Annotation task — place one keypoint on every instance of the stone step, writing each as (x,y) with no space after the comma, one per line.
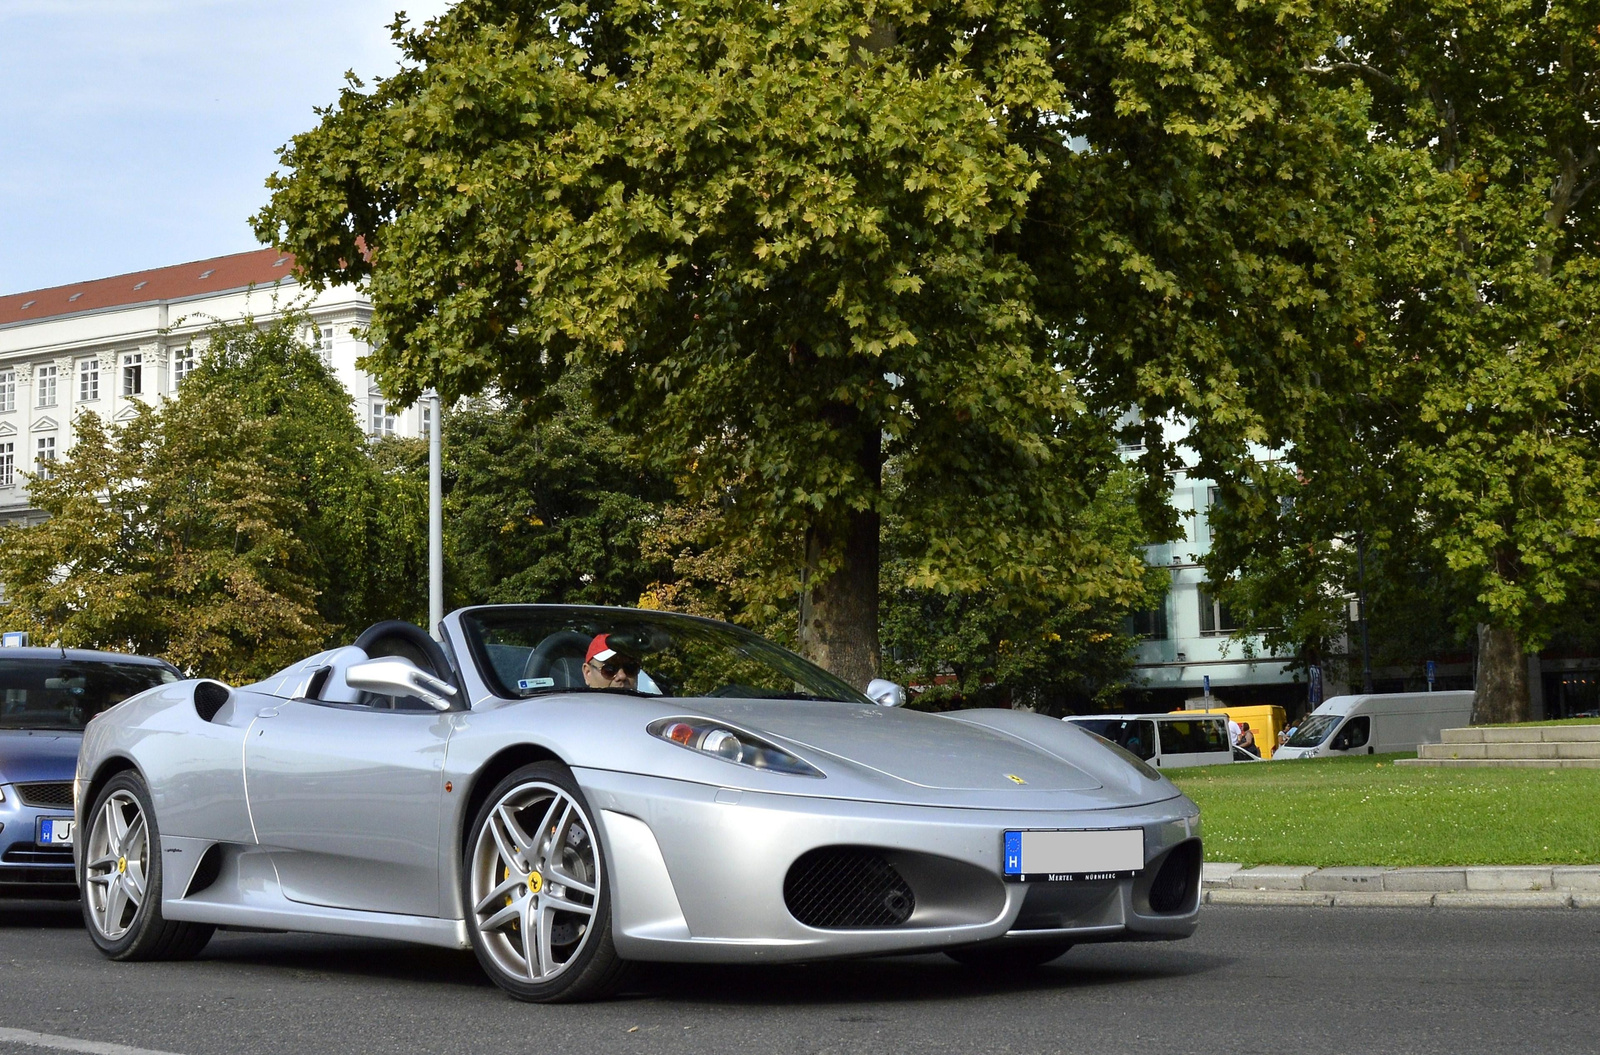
(1536,749)
(1522,734)
(1523,763)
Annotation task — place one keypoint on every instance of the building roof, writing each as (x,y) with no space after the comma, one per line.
(261,267)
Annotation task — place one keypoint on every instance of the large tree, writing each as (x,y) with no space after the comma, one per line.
(1460,438)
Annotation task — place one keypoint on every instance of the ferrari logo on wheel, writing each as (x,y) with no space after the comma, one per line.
(122,864)
(535,882)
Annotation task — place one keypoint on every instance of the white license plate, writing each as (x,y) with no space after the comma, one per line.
(1058,856)
(54,831)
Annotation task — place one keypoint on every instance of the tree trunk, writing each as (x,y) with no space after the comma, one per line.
(839,615)
(1502,694)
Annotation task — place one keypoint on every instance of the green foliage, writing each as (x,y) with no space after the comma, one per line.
(233,529)
(551,511)
(791,245)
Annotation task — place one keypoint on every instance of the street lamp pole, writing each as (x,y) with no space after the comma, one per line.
(1361,595)
(435,514)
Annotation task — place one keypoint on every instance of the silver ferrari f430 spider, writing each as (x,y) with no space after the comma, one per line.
(567,790)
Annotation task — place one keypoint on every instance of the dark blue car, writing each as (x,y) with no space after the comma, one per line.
(46,697)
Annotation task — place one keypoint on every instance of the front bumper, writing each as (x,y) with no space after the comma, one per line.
(26,868)
(698,873)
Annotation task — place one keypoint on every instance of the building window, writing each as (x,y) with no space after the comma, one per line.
(382,418)
(184,360)
(47,386)
(44,456)
(88,380)
(322,344)
(1215,617)
(133,374)
(8,464)
(1150,625)
(8,390)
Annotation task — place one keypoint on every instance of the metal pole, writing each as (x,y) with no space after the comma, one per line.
(1361,583)
(435,516)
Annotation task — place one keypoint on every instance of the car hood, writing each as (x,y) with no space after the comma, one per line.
(28,755)
(924,750)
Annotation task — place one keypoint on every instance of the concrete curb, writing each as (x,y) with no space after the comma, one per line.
(1540,886)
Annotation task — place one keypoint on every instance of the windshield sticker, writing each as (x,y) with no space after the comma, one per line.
(536,683)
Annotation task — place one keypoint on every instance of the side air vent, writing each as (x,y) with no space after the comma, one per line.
(207,871)
(1174,887)
(209,696)
(847,887)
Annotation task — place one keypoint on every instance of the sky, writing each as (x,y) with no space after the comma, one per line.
(139,133)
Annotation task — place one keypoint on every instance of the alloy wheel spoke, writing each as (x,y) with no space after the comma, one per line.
(504,887)
(102,879)
(530,940)
(108,861)
(504,843)
(546,922)
(563,905)
(137,839)
(133,882)
(508,915)
(117,826)
(554,873)
(116,904)
(552,849)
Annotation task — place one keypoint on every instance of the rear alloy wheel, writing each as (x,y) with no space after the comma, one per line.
(537,895)
(1011,956)
(121,880)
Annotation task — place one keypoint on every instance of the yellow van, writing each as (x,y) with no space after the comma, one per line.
(1266,721)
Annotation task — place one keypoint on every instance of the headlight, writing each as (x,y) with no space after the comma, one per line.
(712,738)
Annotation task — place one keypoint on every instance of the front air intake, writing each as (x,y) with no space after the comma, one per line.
(847,888)
(1176,884)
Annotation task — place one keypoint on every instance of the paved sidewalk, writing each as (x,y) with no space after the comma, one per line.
(1537,886)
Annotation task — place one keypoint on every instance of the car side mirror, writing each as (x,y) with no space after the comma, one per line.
(393,676)
(885,693)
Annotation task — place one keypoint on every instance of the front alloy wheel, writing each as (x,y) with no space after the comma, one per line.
(537,900)
(121,879)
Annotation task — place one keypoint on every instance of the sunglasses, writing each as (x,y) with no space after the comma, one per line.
(630,667)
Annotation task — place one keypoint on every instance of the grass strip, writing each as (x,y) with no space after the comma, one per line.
(1368,811)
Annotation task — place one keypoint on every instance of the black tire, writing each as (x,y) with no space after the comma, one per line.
(591,969)
(1016,956)
(141,932)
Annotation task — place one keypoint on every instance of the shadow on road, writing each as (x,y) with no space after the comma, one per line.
(897,979)
(52,914)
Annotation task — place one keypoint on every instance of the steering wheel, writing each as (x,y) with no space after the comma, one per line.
(559,644)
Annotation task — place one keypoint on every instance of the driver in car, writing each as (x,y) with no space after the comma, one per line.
(606,668)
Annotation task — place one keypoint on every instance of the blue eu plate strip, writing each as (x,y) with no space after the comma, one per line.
(1013,853)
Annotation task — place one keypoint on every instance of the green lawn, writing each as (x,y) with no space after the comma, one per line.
(1553,721)
(1368,811)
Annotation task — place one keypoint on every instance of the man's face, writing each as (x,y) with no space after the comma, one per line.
(618,672)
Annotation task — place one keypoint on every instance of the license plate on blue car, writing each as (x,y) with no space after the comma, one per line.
(1061,856)
(54,831)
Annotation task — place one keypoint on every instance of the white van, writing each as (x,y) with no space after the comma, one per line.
(1376,723)
(1166,741)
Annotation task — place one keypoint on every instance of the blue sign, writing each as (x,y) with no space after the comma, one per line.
(1316,687)
(1205,680)
(1013,853)
(1431,670)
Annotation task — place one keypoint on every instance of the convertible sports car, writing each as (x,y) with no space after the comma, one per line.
(568,789)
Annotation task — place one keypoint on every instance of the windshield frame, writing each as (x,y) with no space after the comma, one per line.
(471,624)
(1316,724)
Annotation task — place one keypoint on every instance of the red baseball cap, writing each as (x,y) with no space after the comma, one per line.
(600,648)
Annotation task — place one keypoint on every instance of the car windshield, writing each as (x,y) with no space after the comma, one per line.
(66,693)
(1313,730)
(534,650)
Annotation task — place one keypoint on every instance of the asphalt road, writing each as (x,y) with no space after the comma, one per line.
(1280,980)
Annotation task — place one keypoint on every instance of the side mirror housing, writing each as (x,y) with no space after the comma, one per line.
(885,693)
(393,676)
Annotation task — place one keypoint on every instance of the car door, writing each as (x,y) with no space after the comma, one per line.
(346,797)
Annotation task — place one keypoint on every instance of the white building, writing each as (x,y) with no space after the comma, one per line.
(107,344)
(1186,643)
